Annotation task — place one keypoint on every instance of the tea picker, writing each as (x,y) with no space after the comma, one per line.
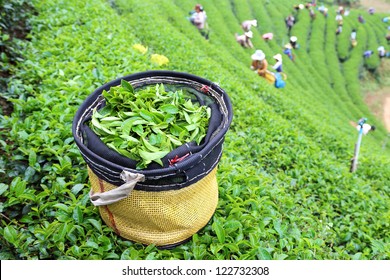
(363,128)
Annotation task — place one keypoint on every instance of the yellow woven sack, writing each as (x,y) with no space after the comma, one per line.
(269,77)
(163,218)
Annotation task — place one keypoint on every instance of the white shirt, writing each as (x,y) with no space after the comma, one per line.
(366,128)
(200,19)
(277,64)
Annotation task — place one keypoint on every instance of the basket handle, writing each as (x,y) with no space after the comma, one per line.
(119,193)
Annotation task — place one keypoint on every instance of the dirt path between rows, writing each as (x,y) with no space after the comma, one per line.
(378,5)
(379,101)
(387,112)
(379,104)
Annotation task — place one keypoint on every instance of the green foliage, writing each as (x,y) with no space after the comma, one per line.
(145,125)
(285,191)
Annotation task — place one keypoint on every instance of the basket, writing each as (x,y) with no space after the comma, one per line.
(161,205)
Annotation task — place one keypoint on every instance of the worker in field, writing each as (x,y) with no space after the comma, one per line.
(324,10)
(340,10)
(245,39)
(339,29)
(294,42)
(288,51)
(199,19)
(363,128)
(268,36)
(381,52)
(388,38)
(247,24)
(361,19)
(339,19)
(280,76)
(298,7)
(371,10)
(278,64)
(368,53)
(290,21)
(366,128)
(353,38)
(259,63)
(312,14)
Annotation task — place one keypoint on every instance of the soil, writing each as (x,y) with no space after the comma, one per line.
(6,107)
(379,101)
(379,104)
(378,5)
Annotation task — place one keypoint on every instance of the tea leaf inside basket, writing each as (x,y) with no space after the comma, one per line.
(146,124)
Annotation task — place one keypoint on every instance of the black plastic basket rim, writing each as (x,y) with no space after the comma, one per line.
(218,93)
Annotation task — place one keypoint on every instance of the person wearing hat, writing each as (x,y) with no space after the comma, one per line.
(339,19)
(339,29)
(353,38)
(325,12)
(288,51)
(366,128)
(293,42)
(312,14)
(381,51)
(340,10)
(368,53)
(259,63)
(361,19)
(268,36)
(290,20)
(246,25)
(245,39)
(299,7)
(278,65)
(198,18)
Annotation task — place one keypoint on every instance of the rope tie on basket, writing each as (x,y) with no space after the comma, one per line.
(119,193)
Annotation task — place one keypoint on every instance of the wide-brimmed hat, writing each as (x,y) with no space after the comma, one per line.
(293,39)
(268,36)
(288,46)
(249,34)
(381,48)
(258,55)
(301,6)
(278,57)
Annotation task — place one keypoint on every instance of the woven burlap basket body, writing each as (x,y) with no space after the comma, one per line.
(161,205)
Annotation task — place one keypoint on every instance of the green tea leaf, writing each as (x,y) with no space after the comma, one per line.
(219,231)
(170,109)
(10,234)
(151,156)
(126,85)
(147,123)
(3,188)
(263,254)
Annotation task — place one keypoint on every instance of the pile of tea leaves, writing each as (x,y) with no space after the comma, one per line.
(148,123)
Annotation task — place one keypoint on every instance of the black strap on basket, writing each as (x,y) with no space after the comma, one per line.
(196,160)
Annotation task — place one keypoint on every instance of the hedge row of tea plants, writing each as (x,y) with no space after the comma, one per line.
(284,182)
